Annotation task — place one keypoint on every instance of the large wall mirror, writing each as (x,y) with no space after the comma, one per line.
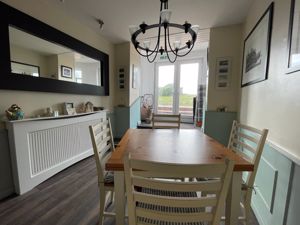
(37,57)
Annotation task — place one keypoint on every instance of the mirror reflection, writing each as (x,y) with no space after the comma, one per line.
(33,56)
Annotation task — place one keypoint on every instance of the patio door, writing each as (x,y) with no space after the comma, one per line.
(176,87)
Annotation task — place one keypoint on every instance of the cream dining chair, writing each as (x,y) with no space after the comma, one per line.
(103,145)
(166,121)
(248,142)
(160,201)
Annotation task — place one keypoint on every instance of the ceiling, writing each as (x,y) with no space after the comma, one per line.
(119,14)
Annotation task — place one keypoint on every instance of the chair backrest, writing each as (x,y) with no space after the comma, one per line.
(103,145)
(167,200)
(166,121)
(248,142)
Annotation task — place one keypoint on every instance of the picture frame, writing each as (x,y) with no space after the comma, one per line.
(25,69)
(257,50)
(66,71)
(69,108)
(293,62)
(223,72)
(121,81)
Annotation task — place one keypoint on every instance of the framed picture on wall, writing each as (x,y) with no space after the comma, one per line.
(257,50)
(121,82)
(223,73)
(66,71)
(294,38)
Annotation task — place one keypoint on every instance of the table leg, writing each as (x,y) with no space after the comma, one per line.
(119,197)
(233,199)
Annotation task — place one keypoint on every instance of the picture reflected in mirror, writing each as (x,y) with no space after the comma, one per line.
(25,69)
(33,56)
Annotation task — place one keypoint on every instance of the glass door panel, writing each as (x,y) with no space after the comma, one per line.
(188,88)
(165,81)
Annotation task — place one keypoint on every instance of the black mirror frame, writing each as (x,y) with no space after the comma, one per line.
(11,81)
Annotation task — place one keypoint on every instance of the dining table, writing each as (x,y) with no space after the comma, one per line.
(183,146)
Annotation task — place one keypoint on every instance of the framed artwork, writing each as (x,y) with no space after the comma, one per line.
(69,108)
(66,71)
(25,69)
(223,73)
(121,78)
(294,38)
(257,50)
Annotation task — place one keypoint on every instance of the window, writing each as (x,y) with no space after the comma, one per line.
(78,76)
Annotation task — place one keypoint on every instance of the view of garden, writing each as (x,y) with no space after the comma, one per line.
(165,100)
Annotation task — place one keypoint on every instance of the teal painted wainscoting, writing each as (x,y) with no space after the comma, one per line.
(121,120)
(126,117)
(276,199)
(135,113)
(218,125)
(271,196)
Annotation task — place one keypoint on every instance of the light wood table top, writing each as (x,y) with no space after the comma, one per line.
(186,146)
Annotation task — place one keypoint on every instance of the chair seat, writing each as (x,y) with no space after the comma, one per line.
(156,222)
(169,193)
(165,209)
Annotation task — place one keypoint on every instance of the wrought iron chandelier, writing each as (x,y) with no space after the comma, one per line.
(164,23)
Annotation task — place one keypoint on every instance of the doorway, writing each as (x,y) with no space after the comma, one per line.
(176,88)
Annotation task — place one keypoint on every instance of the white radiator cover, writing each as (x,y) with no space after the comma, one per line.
(41,148)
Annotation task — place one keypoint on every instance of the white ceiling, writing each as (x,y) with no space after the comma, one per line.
(119,14)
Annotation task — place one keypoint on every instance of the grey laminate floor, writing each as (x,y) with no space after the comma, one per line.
(68,198)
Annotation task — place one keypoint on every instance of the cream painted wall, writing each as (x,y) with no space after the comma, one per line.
(224,42)
(52,62)
(126,57)
(33,102)
(274,103)
(122,53)
(135,60)
(147,77)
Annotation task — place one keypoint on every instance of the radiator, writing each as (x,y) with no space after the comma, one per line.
(41,148)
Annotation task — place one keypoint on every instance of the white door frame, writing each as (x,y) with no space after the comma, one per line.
(176,83)
(157,64)
(187,119)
